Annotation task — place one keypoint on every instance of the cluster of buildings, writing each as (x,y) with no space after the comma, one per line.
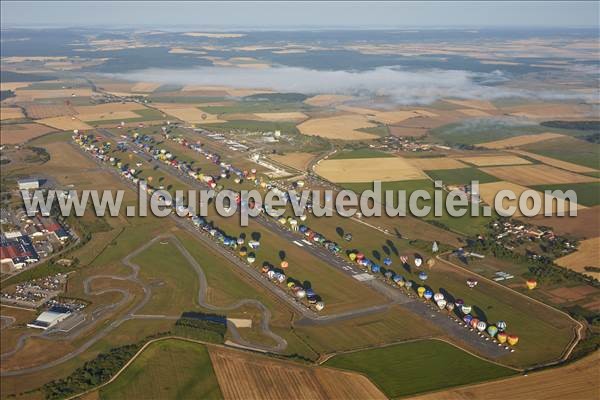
(57,312)
(401,144)
(26,240)
(512,233)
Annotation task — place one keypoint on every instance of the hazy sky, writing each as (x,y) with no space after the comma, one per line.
(232,15)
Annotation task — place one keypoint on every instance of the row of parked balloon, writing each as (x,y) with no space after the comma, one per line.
(365,262)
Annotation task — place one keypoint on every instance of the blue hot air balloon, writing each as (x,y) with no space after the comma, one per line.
(422,276)
(375,268)
(428,294)
(467,318)
(387,261)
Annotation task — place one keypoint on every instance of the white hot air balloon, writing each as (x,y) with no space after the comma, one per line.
(481,325)
(441,304)
(438,296)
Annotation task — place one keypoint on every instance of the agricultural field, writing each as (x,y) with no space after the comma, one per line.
(436,163)
(556,163)
(167,369)
(21,133)
(517,141)
(588,194)
(297,160)
(64,123)
(587,255)
(461,176)
(368,170)
(579,152)
(532,175)
(488,161)
(420,366)
(43,110)
(243,375)
(8,113)
(341,127)
(576,380)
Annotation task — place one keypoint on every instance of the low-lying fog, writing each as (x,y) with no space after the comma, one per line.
(404,87)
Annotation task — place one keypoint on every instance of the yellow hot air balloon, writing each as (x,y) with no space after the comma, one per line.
(130,156)
(150,179)
(421,291)
(352,256)
(531,284)
(513,339)
(502,337)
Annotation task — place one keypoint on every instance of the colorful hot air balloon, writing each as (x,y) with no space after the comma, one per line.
(492,330)
(428,294)
(450,307)
(465,309)
(404,259)
(430,263)
(502,336)
(360,256)
(531,284)
(467,319)
(474,323)
(251,259)
(423,276)
(471,283)
(352,256)
(501,326)
(513,339)
(387,261)
(421,291)
(284,264)
(459,302)
(441,304)
(438,296)
(481,325)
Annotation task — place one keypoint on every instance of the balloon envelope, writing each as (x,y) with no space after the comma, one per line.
(513,339)
(450,306)
(481,325)
(467,319)
(502,337)
(441,304)
(428,294)
(423,276)
(421,291)
(501,325)
(438,296)
(465,309)
(531,284)
(492,330)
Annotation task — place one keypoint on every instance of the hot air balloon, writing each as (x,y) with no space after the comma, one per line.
(531,284)
(430,263)
(438,296)
(459,302)
(434,247)
(513,339)
(418,261)
(284,264)
(423,276)
(360,256)
(387,261)
(501,326)
(398,280)
(481,325)
(467,319)
(240,241)
(291,285)
(465,309)
(428,294)
(421,291)
(319,306)
(404,259)
(264,269)
(408,284)
(441,303)
(375,268)
(271,274)
(472,283)
(352,256)
(388,274)
(474,322)
(492,330)
(450,307)
(502,336)
(243,252)
(300,293)
(251,259)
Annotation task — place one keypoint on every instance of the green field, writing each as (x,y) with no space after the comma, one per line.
(359,153)
(147,114)
(417,367)
(588,193)
(167,369)
(250,106)
(466,224)
(461,176)
(568,149)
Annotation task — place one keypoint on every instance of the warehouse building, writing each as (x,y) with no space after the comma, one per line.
(49,318)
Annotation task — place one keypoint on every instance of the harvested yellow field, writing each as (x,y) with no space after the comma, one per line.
(520,140)
(578,380)
(282,116)
(30,95)
(341,127)
(322,100)
(368,170)
(21,133)
(13,85)
(555,163)
(388,117)
(484,161)
(473,112)
(145,87)
(477,104)
(435,163)
(295,160)
(188,113)
(587,255)
(10,113)
(248,376)
(64,123)
(537,174)
(36,110)
(488,191)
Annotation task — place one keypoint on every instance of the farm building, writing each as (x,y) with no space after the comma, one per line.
(28,183)
(49,318)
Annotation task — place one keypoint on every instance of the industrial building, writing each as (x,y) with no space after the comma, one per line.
(49,318)
(28,184)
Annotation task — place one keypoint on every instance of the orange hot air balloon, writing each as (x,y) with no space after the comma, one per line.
(150,179)
(502,336)
(513,339)
(474,323)
(284,264)
(421,291)
(531,284)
